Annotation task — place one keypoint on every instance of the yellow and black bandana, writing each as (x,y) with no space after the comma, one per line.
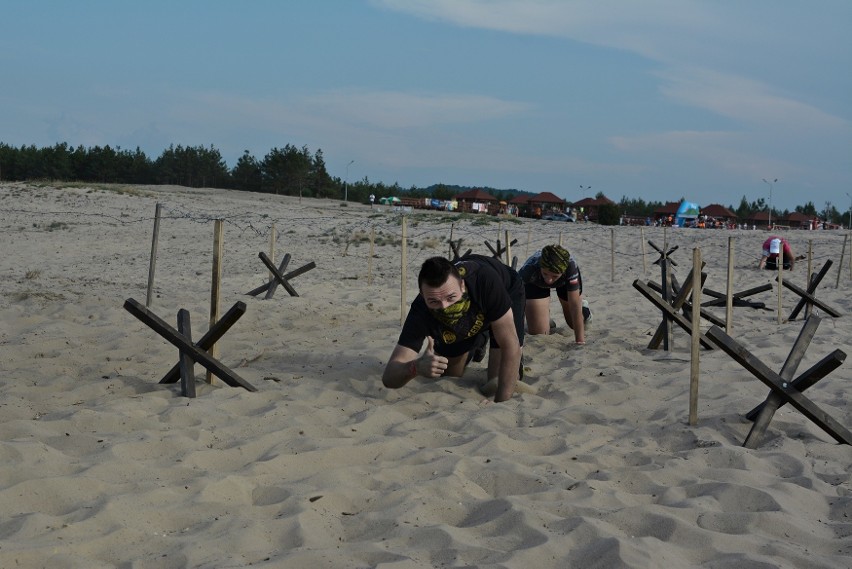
(555,259)
(450,315)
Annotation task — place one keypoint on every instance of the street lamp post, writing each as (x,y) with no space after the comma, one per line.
(769,226)
(346,182)
(850,209)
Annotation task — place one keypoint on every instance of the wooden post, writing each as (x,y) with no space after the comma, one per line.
(153,262)
(403,274)
(272,250)
(695,349)
(452,228)
(780,264)
(372,246)
(508,249)
(809,275)
(644,256)
(729,296)
(840,266)
(612,254)
(666,281)
(527,250)
(187,365)
(216,286)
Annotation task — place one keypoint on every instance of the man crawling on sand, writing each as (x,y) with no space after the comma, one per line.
(461,306)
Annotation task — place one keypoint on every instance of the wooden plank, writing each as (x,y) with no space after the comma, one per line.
(210,338)
(289,276)
(773,402)
(812,286)
(677,303)
(177,340)
(273,284)
(719,298)
(788,394)
(675,316)
(811,298)
(187,373)
(278,276)
(809,377)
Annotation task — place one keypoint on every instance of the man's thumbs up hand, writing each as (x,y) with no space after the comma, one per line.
(431,364)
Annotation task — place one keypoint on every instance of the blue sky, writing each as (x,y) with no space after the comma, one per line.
(651,99)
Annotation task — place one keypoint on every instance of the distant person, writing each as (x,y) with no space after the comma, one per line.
(460,307)
(554,268)
(372,199)
(772,248)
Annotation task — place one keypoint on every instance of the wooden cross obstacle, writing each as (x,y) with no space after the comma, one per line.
(670,310)
(739,298)
(279,277)
(664,255)
(455,246)
(682,299)
(782,389)
(192,353)
(807,296)
(498,253)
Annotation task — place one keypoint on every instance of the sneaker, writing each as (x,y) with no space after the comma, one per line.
(587,313)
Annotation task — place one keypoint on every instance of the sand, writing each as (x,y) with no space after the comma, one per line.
(323,467)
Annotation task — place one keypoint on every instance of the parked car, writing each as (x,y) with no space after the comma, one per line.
(558,217)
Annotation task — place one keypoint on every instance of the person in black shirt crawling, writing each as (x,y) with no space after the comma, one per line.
(460,304)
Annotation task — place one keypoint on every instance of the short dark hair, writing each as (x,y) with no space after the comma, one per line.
(435,271)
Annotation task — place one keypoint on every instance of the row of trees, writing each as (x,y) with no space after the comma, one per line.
(287,171)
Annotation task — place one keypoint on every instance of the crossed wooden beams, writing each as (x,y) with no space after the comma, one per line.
(664,255)
(807,296)
(739,298)
(782,389)
(670,311)
(455,246)
(192,353)
(279,277)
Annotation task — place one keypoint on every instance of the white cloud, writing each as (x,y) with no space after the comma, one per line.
(744,99)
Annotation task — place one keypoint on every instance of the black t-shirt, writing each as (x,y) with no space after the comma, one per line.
(531,274)
(488,282)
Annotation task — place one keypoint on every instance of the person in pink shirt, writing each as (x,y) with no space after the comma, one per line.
(772,247)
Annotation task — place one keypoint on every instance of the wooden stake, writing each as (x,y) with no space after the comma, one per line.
(153,262)
(216,286)
(272,250)
(527,250)
(779,261)
(809,274)
(403,274)
(695,348)
(644,256)
(612,254)
(450,253)
(508,249)
(729,297)
(840,266)
(372,248)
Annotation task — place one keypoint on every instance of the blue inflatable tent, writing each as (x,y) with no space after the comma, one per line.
(686,213)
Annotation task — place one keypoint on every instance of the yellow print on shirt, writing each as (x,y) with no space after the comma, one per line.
(477,325)
(448,336)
